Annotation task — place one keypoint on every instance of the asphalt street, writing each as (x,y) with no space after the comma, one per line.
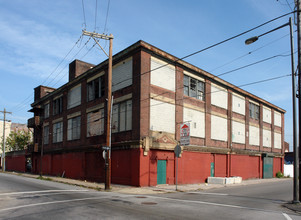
(28,198)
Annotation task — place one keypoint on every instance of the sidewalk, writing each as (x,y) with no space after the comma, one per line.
(144,190)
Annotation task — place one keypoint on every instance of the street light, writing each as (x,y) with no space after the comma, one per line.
(296,153)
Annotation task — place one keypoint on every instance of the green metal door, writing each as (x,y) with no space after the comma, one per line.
(267,167)
(212,169)
(161,172)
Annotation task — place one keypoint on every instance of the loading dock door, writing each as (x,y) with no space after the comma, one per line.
(267,167)
(161,172)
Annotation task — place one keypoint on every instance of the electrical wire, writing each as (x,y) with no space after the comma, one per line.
(251,64)
(30,96)
(107,14)
(249,53)
(95,15)
(84,14)
(213,45)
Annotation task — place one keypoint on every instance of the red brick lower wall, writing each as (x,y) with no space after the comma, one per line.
(131,167)
(16,163)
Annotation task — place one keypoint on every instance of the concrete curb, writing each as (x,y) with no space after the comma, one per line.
(144,190)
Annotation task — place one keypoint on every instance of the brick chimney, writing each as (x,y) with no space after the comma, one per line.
(78,67)
(41,91)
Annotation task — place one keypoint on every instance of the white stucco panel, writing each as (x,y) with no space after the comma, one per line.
(164,76)
(253,135)
(219,96)
(122,74)
(266,140)
(266,115)
(277,140)
(196,120)
(219,128)
(277,119)
(162,116)
(238,104)
(238,132)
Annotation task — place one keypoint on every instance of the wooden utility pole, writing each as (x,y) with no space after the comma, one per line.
(299,82)
(109,103)
(3,146)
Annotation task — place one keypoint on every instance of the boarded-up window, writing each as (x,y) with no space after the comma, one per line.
(219,130)
(122,74)
(253,135)
(197,122)
(74,97)
(95,123)
(238,104)
(266,140)
(266,115)
(277,140)
(277,119)
(238,132)
(219,96)
(163,74)
(73,128)
(162,116)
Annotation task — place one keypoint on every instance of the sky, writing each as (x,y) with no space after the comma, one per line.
(39,39)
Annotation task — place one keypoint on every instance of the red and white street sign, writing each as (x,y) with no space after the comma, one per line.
(185,134)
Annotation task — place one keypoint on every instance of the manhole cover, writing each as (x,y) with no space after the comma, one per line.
(141,197)
(148,203)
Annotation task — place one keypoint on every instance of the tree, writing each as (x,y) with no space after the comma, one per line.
(18,140)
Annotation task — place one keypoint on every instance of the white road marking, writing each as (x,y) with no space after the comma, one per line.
(217,194)
(43,191)
(48,203)
(286,216)
(214,204)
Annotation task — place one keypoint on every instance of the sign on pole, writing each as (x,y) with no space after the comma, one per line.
(185,134)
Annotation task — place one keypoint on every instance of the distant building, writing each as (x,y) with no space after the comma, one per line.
(19,127)
(233,132)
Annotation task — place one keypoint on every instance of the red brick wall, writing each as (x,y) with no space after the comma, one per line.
(245,166)
(278,164)
(16,163)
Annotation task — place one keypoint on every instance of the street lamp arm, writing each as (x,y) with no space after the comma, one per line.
(255,38)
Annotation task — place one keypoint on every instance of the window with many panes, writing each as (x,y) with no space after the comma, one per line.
(254,111)
(58,105)
(46,110)
(57,132)
(122,116)
(73,128)
(95,123)
(194,88)
(46,135)
(96,88)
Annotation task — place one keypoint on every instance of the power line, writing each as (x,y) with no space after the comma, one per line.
(95,15)
(85,25)
(249,53)
(25,101)
(211,46)
(107,14)
(251,64)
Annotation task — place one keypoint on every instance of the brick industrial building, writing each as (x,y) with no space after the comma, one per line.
(233,132)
